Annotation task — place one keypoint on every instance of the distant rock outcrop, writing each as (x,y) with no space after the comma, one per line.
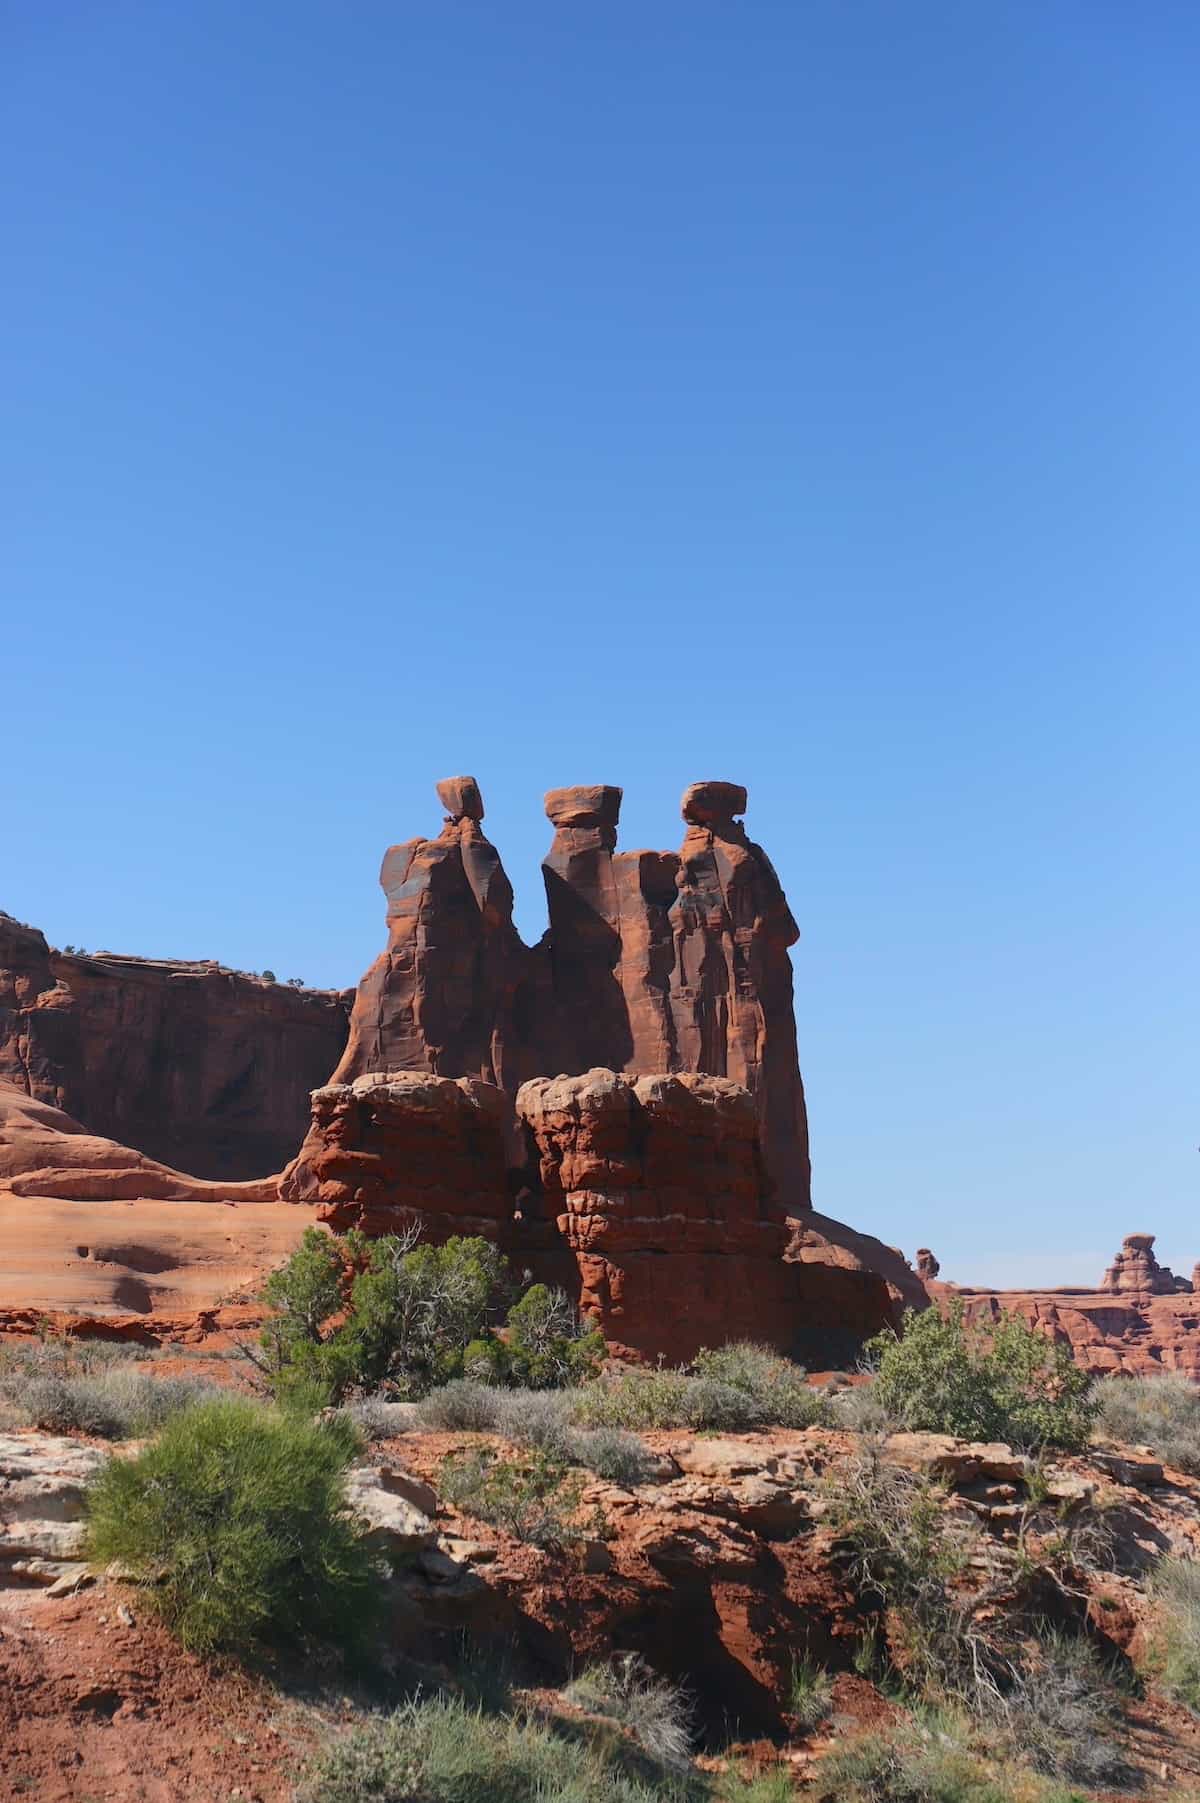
(1136,1271)
(206,1068)
(100,1236)
(1141,1320)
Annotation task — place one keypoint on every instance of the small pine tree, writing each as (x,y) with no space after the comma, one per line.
(548,1345)
(234,1518)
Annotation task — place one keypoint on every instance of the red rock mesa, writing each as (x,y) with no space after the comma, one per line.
(205,1068)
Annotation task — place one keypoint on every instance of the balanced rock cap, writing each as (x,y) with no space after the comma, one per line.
(704,803)
(460,797)
(595,804)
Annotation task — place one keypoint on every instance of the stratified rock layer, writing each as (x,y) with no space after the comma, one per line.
(657,1186)
(397,1147)
(205,1068)
(654,962)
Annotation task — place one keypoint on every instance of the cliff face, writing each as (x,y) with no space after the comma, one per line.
(654,963)
(207,1069)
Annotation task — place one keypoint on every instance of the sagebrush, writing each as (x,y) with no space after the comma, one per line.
(535,1498)
(543,1419)
(71,1386)
(657,1713)
(735,1388)
(1176,1650)
(1162,1413)
(440,1750)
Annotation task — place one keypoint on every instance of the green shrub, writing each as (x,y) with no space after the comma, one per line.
(547,1344)
(777,1391)
(906,1556)
(890,1769)
(1057,1713)
(118,1403)
(1044,1700)
(439,1750)
(810,1694)
(73,1386)
(614,1455)
(733,1388)
(1012,1384)
(541,1419)
(1177,1645)
(1162,1413)
(534,1499)
(859,1410)
(53,1354)
(233,1518)
(354,1314)
(463,1406)
(374,1417)
(298,1354)
(639,1400)
(771,1786)
(657,1713)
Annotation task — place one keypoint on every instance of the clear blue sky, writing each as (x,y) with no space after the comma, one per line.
(799,393)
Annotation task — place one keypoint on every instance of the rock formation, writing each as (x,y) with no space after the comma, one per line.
(731,989)
(645,1198)
(927,1265)
(44,1152)
(396,1146)
(1136,1271)
(441,998)
(821,1241)
(205,1068)
(653,963)
(657,1186)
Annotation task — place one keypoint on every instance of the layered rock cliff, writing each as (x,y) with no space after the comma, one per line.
(396,1147)
(205,1068)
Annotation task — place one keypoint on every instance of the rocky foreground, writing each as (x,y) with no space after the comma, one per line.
(725,1568)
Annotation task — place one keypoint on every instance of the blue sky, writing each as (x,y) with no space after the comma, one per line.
(801,394)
